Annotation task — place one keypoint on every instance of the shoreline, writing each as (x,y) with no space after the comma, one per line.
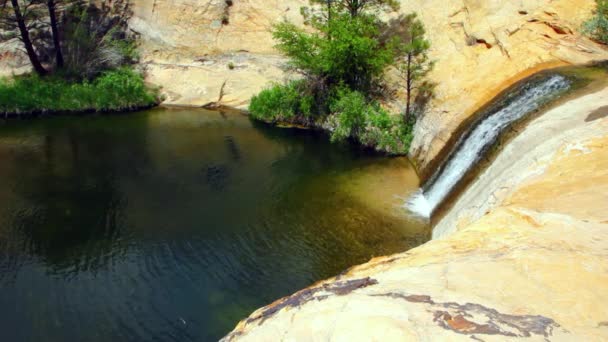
(50,113)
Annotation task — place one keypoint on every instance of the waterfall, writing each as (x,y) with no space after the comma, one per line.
(472,145)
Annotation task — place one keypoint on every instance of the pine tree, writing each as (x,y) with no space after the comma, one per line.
(52,8)
(415,64)
(355,7)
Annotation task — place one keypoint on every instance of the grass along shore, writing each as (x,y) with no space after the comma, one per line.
(116,90)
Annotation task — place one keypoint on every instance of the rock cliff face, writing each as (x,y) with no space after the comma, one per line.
(526,261)
(200,49)
(484,46)
(481,47)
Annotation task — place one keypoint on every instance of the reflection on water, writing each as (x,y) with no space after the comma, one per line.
(171,225)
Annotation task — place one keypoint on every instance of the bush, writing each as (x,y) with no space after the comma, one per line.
(368,123)
(96,39)
(281,103)
(597,27)
(351,109)
(354,56)
(342,57)
(387,133)
(117,90)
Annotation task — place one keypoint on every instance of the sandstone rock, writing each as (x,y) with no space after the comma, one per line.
(13,61)
(532,266)
(181,37)
(511,41)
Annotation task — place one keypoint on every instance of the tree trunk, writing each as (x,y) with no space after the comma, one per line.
(27,42)
(409,87)
(354,8)
(329,19)
(55,30)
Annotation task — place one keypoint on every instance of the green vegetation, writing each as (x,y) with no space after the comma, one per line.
(93,54)
(414,68)
(597,27)
(371,124)
(282,103)
(120,89)
(96,39)
(342,61)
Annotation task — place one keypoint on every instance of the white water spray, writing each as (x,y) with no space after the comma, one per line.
(470,149)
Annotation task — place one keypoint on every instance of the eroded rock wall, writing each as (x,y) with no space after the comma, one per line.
(484,46)
(205,51)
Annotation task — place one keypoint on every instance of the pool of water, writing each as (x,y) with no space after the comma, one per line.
(172,225)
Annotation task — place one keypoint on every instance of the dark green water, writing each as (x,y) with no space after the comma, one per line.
(172,225)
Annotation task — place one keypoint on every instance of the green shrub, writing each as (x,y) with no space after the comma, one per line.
(368,123)
(350,108)
(343,56)
(281,102)
(597,27)
(96,38)
(354,56)
(121,89)
(387,133)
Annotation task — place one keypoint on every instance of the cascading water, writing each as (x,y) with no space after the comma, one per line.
(472,145)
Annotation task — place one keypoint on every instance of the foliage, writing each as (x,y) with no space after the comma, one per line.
(95,38)
(344,50)
(351,109)
(597,27)
(352,7)
(367,122)
(91,47)
(23,20)
(281,102)
(342,57)
(29,11)
(92,36)
(117,90)
(415,65)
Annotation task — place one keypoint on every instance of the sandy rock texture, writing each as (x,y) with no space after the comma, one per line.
(13,61)
(566,127)
(531,265)
(211,51)
(484,46)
